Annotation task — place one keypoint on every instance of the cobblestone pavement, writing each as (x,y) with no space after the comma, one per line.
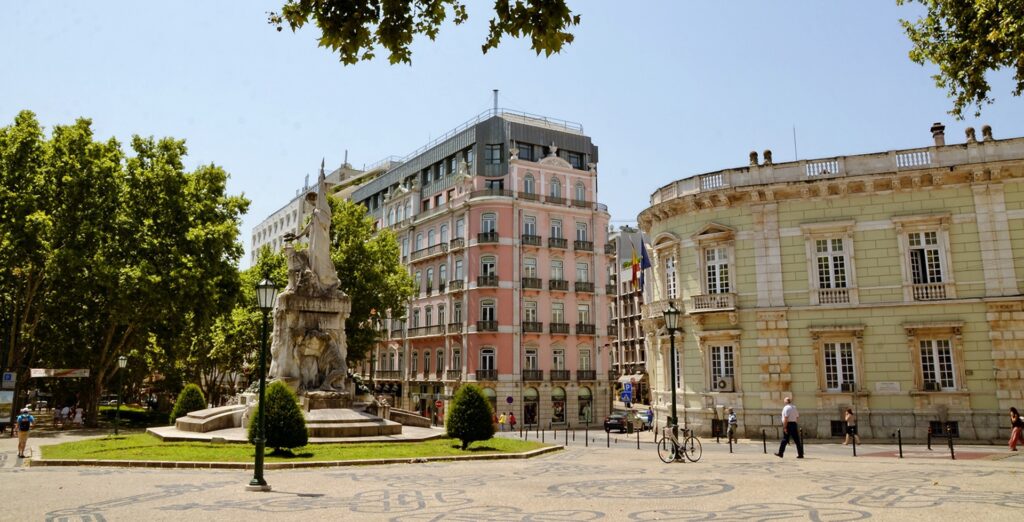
(595,483)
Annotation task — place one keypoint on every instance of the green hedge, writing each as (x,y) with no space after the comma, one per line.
(134,416)
(470,417)
(286,426)
(190,399)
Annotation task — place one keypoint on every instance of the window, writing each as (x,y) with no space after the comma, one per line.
(530,311)
(430,277)
(415,318)
(584,359)
(716,270)
(440,361)
(558,405)
(419,241)
(586,399)
(557,312)
(582,273)
(418,281)
(556,228)
(529,184)
(428,316)
(405,246)
(721,363)
(556,269)
(581,232)
(391,216)
(487,266)
(458,269)
(671,285)
(558,359)
(575,159)
(839,368)
(580,192)
(530,363)
(431,238)
(460,228)
(488,222)
(530,226)
(937,365)
(426,362)
(444,234)
(529,267)
(924,246)
(556,188)
(487,310)
(414,362)
(720,350)
(470,156)
(457,312)
(830,262)
(442,273)
(440,315)
(583,313)
(525,151)
(487,359)
(925,261)
(492,154)
(456,359)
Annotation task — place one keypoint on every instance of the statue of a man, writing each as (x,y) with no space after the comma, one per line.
(319,232)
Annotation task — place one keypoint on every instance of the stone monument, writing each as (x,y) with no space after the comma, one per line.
(308,350)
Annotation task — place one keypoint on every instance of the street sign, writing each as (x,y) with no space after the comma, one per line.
(8,383)
(54,372)
(438,404)
(628,388)
(508,399)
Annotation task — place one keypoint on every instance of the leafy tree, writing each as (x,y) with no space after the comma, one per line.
(370,271)
(967,40)
(470,417)
(190,399)
(286,426)
(353,28)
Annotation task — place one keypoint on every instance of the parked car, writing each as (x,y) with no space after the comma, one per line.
(615,421)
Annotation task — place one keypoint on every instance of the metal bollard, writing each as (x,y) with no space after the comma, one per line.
(566,434)
(527,433)
(586,436)
(949,434)
(899,442)
(542,436)
(637,439)
(764,441)
(573,434)
(730,444)
(608,438)
(855,445)
(929,439)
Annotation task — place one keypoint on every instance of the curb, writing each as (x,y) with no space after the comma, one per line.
(284,465)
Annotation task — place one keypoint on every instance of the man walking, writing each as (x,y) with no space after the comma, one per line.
(790,429)
(24,423)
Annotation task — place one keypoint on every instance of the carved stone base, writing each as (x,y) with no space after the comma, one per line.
(320,400)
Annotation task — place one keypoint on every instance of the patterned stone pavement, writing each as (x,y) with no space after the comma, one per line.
(595,483)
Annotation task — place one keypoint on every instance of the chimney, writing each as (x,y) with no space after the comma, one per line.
(939,134)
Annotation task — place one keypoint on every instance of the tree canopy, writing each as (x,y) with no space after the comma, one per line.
(354,28)
(967,40)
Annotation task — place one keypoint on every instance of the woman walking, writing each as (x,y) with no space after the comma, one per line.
(851,427)
(1016,429)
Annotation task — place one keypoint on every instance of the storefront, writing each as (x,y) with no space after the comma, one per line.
(586,406)
(558,405)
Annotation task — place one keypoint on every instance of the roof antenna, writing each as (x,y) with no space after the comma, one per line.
(795,156)
(495,101)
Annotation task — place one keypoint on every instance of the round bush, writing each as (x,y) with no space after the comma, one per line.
(190,399)
(470,417)
(285,427)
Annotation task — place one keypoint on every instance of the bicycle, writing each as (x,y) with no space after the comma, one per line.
(670,449)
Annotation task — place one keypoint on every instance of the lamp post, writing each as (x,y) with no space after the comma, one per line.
(672,324)
(266,292)
(122,361)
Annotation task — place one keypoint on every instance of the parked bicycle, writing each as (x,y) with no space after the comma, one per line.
(673,447)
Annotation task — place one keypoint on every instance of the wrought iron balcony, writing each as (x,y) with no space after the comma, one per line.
(487,237)
(558,284)
(533,375)
(584,286)
(613,331)
(609,248)
(610,289)
(454,327)
(530,239)
(453,375)
(532,327)
(585,329)
(532,282)
(388,375)
(396,333)
(585,246)
(487,375)
(558,328)
(487,326)
(487,280)
(554,200)
(580,203)
(456,285)
(558,242)
(586,375)
(559,375)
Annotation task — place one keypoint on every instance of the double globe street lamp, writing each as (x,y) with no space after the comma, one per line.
(672,324)
(266,293)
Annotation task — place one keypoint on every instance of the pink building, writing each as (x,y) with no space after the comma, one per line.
(500,228)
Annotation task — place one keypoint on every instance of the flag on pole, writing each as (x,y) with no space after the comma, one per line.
(635,264)
(639,263)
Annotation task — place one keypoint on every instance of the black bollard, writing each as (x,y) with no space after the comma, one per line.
(586,436)
(566,434)
(730,444)
(637,439)
(608,438)
(929,439)
(899,442)
(542,436)
(855,444)
(949,435)
(527,433)
(764,441)
(573,434)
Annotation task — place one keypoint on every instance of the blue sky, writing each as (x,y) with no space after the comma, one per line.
(667,89)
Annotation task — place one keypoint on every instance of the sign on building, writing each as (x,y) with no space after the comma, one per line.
(59,373)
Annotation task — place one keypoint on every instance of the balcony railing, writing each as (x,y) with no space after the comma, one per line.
(432,250)
(929,291)
(439,374)
(610,289)
(585,329)
(532,282)
(487,237)
(558,328)
(584,246)
(586,375)
(713,302)
(613,331)
(453,375)
(533,327)
(558,242)
(554,200)
(388,374)
(454,327)
(456,285)
(533,375)
(530,239)
(558,284)
(424,331)
(833,295)
(559,375)
(491,192)
(584,286)
(487,280)
(487,326)
(487,375)
(532,196)
(580,203)
(456,243)
(609,249)
(396,333)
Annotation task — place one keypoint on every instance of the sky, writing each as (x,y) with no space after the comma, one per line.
(666,89)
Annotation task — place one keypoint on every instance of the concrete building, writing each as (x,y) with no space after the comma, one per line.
(888,283)
(484,215)
(628,348)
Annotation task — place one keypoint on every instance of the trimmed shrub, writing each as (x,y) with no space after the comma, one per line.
(286,427)
(190,399)
(470,417)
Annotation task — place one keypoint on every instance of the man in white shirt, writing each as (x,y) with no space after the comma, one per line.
(790,429)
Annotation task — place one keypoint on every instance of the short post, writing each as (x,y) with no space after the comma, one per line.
(764,441)
(730,444)
(527,433)
(855,444)
(899,442)
(929,438)
(586,435)
(608,438)
(566,434)
(637,439)
(949,436)
(542,435)
(573,433)
(718,434)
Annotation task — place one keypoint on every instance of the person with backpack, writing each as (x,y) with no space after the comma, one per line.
(24,423)
(734,425)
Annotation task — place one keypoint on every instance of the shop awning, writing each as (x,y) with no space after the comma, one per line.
(629,378)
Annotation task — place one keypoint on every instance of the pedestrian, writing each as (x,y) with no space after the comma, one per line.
(851,427)
(502,422)
(1016,429)
(65,416)
(79,416)
(650,418)
(790,429)
(734,424)
(512,420)
(23,424)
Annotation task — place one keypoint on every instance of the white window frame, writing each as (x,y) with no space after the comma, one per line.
(529,184)
(671,281)
(556,228)
(933,337)
(530,361)
(488,358)
(488,222)
(488,310)
(831,232)
(712,341)
(530,225)
(582,272)
(530,312)
(557,269)
(530,267)
(908,227)
(822,337)
(488,265)
(581,232)
(558,312)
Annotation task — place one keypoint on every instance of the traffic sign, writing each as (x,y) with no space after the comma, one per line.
(508,399)
(8,383)
(628,388)
(57,372)
(438,404)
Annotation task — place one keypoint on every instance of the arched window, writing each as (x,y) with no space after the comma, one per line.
(419,242)
(531,402)
(442,274)
(492,396)
(415,362)
(556,188)
(391,216)
(431,238)
(488,222)
(580,192)
(529,184)
(440,361)
(586,398)
(444,233)
(558,405)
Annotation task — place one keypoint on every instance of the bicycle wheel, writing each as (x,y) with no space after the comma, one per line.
(691,448)
(666,449)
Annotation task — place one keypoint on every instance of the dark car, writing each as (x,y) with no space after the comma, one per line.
(615,421)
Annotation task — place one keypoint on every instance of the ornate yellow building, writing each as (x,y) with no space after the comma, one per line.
(888,283)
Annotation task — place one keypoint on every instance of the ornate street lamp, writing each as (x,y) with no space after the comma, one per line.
(266,293)
(672,324)
(122,361)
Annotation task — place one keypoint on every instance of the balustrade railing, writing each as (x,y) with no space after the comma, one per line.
(714,302)
(929,291)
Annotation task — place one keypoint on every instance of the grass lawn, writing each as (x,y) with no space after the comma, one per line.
(148,447)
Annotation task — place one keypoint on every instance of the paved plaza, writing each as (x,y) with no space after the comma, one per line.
(580,483)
